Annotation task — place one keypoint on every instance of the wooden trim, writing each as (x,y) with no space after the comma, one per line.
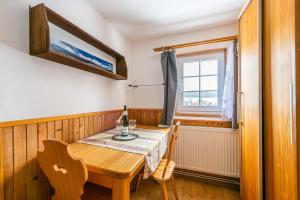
(146,118)
(190,44)
(178,114)
(46,119)
(204,122)
(152,117)
(210,178)
(146,109)
(210,51)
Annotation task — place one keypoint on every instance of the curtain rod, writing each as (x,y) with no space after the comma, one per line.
(177,46)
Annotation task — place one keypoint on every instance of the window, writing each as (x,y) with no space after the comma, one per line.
(201,80)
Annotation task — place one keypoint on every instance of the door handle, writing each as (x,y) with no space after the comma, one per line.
(241,121)
(291,113)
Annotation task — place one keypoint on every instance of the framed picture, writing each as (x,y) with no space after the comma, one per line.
(70,50)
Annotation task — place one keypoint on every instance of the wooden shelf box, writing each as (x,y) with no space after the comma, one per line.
(40,16)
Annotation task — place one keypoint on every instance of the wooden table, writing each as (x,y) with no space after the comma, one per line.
(112,168)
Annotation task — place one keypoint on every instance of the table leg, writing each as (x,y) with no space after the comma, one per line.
(121,189)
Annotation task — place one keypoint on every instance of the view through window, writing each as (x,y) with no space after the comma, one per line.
(201,82)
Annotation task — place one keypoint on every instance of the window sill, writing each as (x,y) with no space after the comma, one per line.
(199,114)
(207,121)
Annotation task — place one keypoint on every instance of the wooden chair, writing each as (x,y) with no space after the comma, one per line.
(67,174)
(164,171)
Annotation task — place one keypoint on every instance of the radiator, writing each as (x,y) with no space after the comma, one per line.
(209,150)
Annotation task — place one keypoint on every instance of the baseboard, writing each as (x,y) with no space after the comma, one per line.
(210,178)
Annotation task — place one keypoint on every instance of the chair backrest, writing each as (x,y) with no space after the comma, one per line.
(66,173)
(174,137)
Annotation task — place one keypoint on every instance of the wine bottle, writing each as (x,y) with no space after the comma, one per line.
(125,122)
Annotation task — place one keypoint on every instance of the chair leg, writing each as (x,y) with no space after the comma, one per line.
(140,177)
(173,185)
(163,186)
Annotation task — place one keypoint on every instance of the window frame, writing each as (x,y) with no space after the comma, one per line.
(201,56)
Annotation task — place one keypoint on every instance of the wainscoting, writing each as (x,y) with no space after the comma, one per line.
(152,117)
(20,176)
(146,116)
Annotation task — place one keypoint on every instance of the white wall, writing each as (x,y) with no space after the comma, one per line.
(146,66)
(31,87)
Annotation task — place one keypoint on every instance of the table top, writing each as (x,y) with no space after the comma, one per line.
(110,161)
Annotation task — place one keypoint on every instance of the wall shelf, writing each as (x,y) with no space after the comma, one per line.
(40,16)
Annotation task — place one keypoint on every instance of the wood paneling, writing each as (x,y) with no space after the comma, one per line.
(65,131)
(90,125)
(281,31)
(251,114)
(146,116)
(8,163)
(50,130)
(20,140)
(81,127)
(19,165)
(76,134)
(58,134)
(20,175)
(32,165)
(43,183)
(152,117)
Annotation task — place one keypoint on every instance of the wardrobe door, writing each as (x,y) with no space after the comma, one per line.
(251,101)
(280,97)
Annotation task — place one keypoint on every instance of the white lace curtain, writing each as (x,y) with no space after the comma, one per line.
(229,105)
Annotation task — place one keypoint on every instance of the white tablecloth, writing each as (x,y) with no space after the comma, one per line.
(152,144)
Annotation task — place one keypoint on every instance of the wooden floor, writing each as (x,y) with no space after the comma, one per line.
(187,190)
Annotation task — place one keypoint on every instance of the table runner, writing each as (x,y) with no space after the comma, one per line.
(150,143)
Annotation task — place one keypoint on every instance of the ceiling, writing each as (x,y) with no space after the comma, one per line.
(141,19)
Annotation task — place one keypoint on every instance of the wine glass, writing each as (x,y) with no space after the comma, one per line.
(132,124)
(119,125)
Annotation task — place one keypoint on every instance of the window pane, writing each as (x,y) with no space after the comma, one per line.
(209,98)
(209,67)
(191,99)
(191,69)
(191,84)
(209,83)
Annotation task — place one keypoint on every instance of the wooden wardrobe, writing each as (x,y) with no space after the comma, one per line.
(250,93)
(281,98)
(270,99)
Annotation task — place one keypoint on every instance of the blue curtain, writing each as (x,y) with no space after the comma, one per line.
(169,68)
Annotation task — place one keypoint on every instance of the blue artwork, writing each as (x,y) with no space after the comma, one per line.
(70,50)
